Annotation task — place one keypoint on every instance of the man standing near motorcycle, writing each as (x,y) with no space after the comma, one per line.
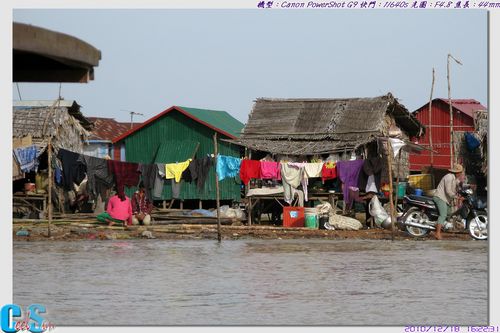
(446,192)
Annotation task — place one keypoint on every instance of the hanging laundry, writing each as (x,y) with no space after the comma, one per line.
(292,175)
(199,169)
(126,174)
(354,194)
(98,175)
(159,179)
(472,141)
(371,167)
(329,171)
(227,166)
(348,172)
(304,180)
(27,157)
(148,172)
(250,169)
(176,189)
(371,185)
(313,170)
(396,144)
(270,170)
(175,170)
(58,176)
(186,175)
(74,169)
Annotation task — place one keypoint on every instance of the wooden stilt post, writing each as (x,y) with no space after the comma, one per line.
(394,214)
(51,180)
(249,211)
(219,237)
(391,188)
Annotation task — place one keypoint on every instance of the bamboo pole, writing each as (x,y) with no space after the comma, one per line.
(430,117)
(451,112)
(219,237)
(49,205)
(390,152)
(397,176)
(452,157)
(250,207)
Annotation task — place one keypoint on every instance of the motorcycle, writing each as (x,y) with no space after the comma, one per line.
(420,216)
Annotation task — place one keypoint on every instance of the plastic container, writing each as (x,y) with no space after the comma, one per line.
(419,191)
(293,217)
(423,181)
(311,218)
(401,189)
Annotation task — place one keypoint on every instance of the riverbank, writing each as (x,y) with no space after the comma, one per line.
(36,231)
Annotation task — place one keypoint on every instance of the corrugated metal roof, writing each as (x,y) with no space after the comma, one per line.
(175,151)
(173,129)
(467,106)
(108,128)
(219,121)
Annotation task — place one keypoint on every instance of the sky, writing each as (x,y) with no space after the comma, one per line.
(225,59)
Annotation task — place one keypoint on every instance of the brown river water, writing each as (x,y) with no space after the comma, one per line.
(254,282)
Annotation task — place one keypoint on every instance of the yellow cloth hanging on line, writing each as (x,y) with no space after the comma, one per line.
(175,170)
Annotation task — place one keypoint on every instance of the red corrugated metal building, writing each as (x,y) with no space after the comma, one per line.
(463,120)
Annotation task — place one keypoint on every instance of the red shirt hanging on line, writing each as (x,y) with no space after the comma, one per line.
(249,169)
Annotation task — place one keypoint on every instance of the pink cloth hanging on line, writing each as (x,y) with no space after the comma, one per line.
(270,170)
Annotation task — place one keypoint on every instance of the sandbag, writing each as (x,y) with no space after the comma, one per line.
(340,222)
(378,212)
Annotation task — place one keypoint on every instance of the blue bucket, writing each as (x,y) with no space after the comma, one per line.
(419,191)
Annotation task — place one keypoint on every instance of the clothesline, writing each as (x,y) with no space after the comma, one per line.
(103,173)
(364,173)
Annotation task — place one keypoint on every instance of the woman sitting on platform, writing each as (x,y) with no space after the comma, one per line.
(119,210)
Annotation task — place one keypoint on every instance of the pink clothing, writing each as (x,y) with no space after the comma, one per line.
(270,170)
(120,210)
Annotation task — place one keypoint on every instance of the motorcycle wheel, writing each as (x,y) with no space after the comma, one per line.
(415,214)
(478,227)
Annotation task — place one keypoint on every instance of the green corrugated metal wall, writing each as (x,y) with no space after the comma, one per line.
(141,147)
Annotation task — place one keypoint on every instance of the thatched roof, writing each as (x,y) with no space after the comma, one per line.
(57,122)
(317,126)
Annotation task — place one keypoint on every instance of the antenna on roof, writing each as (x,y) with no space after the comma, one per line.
(132,113)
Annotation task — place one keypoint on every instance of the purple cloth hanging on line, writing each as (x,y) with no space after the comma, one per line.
(348,172)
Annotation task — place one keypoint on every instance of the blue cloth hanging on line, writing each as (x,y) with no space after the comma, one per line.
(27,157)
(227,166)
(472,141)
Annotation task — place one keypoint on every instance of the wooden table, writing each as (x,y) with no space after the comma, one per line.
(31,201)
(253,200)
